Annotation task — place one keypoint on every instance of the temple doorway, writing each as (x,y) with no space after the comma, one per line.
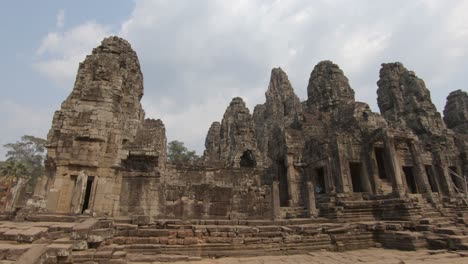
(380,157)
(87,198)
(283,184)
(355,169)
(320,180)
(410,180)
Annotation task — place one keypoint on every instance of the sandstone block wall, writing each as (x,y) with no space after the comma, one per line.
(198,193)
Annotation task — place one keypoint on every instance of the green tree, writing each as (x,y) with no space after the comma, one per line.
(178,153)
(27,154)
(11,168)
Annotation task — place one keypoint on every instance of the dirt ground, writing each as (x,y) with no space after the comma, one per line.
(359,256)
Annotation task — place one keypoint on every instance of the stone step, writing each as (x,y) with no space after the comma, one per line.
(433,214)
(458,239)
(50,218)
(77,245)
(83,256)
(425,228)
(444,224)
(33,254)
(436,241)
(223,249)
(448,231)
(27,235)
(433,220)
(136,257)
(12,252)
(122,220)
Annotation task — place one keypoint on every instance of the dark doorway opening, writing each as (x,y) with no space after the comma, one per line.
(355,169)
(410,181)
(380,157)
(89,188)
(431,178)
(283,184)
(320,180)
(455,179)
(247,160)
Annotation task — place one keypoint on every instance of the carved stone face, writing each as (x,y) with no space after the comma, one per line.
(328,87)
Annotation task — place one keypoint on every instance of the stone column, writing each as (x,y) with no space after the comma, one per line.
(311,199)
(421,176)
(340,170)
(443,174)
(330,183)
(366,172)
(275,200)
(433,174)
(374,170)
(394,165)
(292,181)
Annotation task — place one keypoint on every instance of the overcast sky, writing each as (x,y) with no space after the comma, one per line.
(197,55)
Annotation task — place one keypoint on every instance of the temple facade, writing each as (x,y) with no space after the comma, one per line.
(328,156)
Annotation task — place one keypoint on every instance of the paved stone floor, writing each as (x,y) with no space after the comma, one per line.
(359,256)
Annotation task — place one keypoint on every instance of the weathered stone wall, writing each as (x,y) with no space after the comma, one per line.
(456,111)
(328,87)
(236,138)
(456,118)
(212,144)
(279,139)
(147,153)
(406,104)
(193,192)
(404,98)
(99,119)
(281,110)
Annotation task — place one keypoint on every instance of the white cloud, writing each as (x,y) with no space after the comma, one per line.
(197,55)
(60,52)
(60,19)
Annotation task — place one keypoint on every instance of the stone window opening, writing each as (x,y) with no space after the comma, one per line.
(87,198)
(247,160)
(355,169)
(410,180)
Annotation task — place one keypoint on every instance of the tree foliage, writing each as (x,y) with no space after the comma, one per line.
(13,168)
(178,153)
(25,158)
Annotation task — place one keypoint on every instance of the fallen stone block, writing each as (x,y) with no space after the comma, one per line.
(31,234)
(33,255)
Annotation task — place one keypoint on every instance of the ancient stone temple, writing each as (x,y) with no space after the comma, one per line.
(287,176)
(286,157)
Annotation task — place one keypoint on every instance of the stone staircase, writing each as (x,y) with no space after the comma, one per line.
(244,238)
(383,207)
(129,240)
